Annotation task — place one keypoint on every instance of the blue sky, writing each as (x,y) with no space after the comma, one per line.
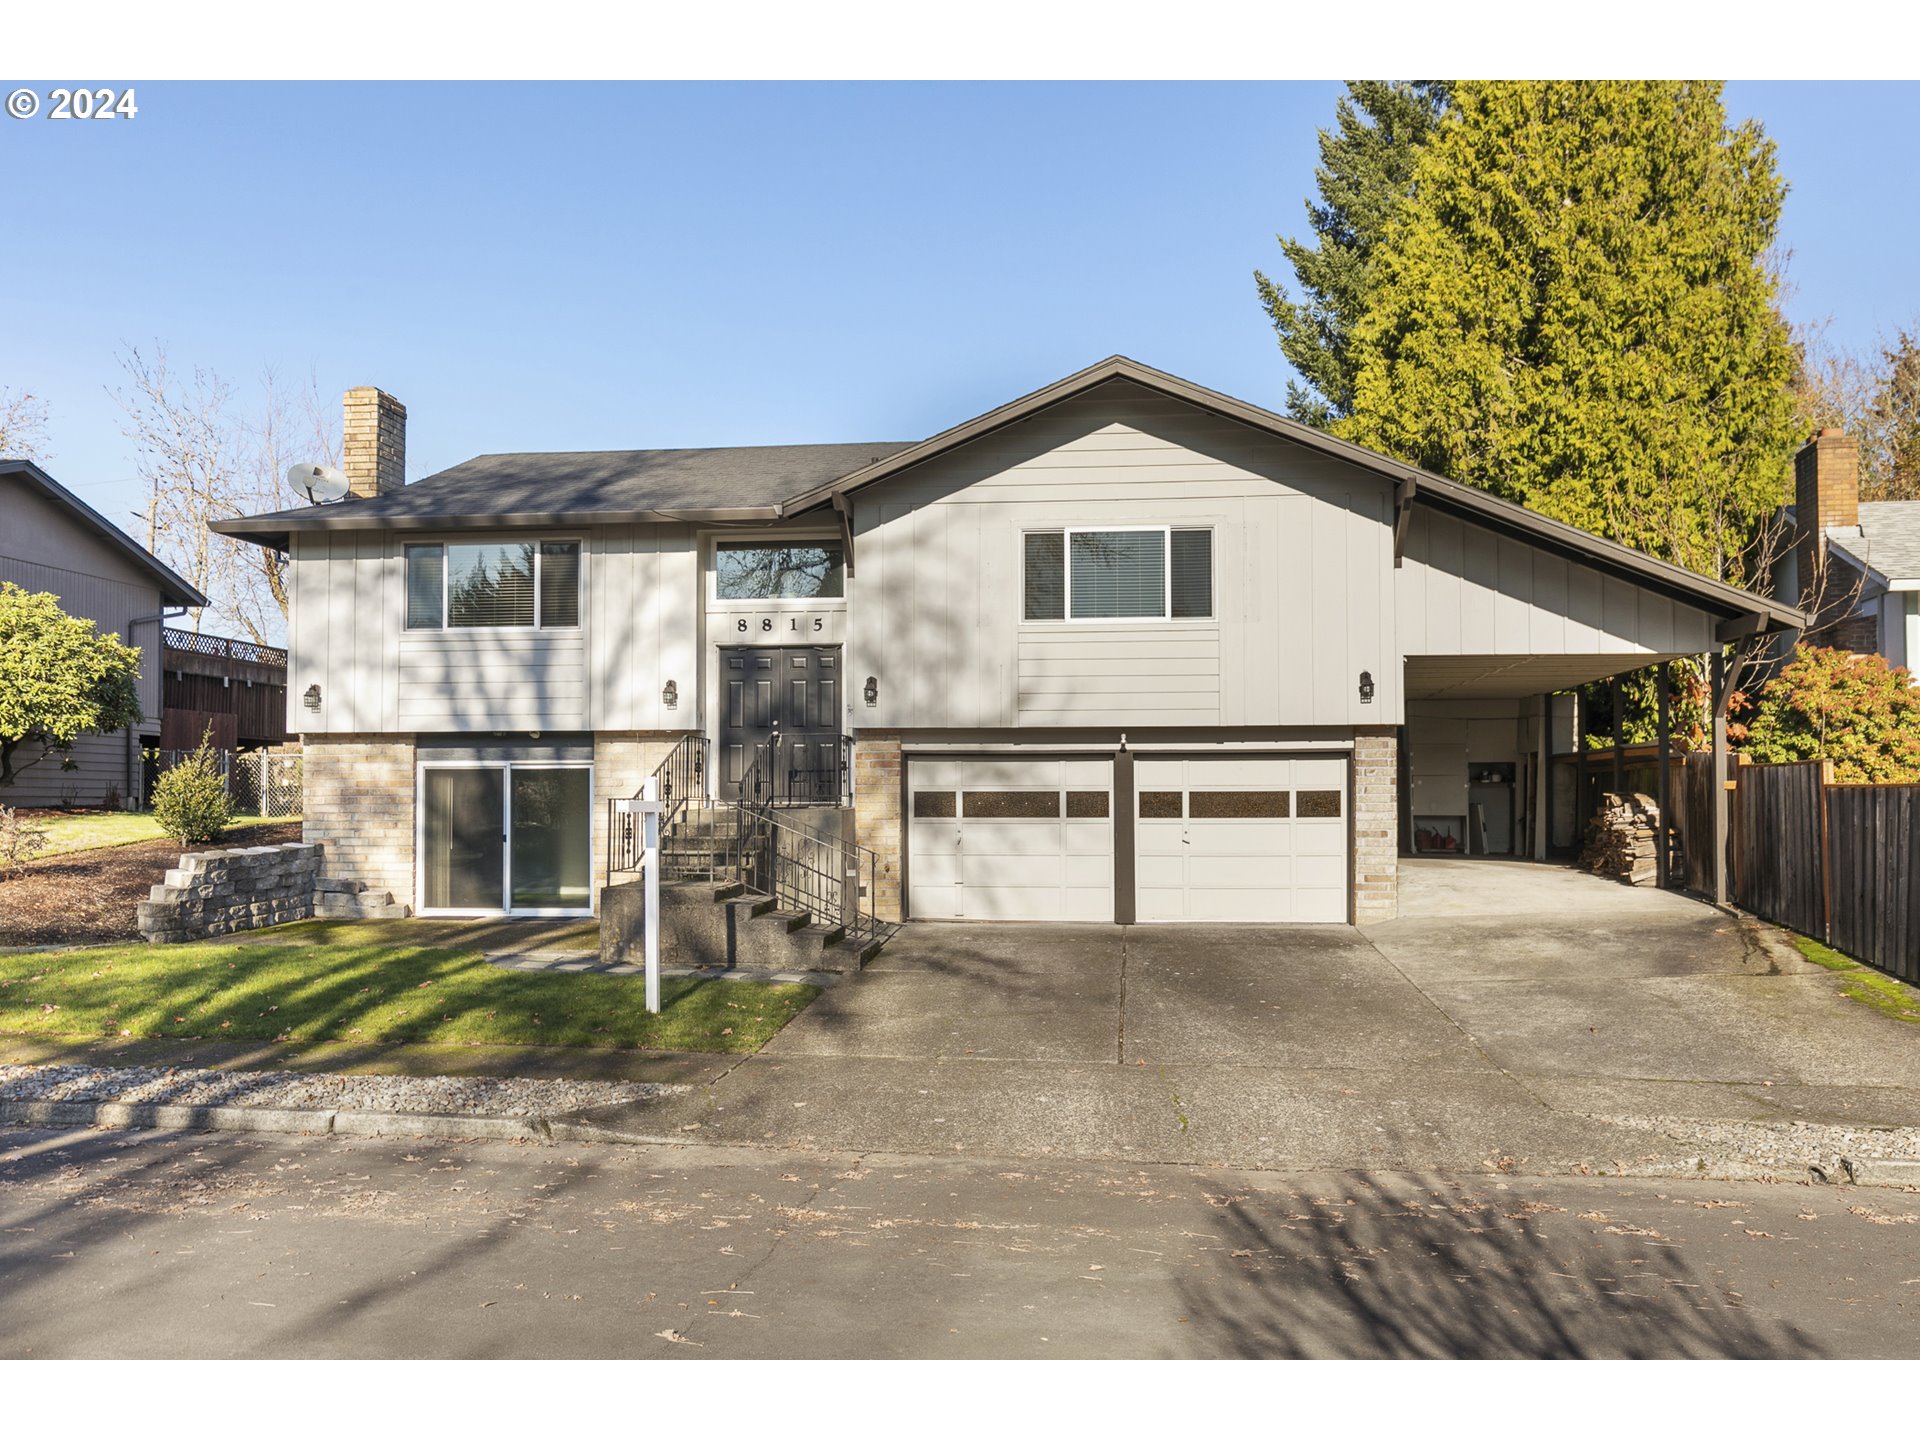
(630,266)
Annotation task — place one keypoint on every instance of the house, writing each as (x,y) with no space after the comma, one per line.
(1853,564)
(54,542)
(1123,649)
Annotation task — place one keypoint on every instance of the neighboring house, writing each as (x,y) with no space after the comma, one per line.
(53,541)
(1124,649)
(1854,564)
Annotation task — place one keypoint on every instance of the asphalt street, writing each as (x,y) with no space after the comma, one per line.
(146,1244)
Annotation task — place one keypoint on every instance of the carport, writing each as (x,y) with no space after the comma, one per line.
(1502,615)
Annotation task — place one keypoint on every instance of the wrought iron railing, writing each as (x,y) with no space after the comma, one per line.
(789,775)
(755,842)
(682,779)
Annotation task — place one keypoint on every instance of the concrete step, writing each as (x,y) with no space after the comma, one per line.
(706,925)
(361,904)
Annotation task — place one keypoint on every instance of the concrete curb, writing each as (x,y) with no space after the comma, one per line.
(545,1129)
(120,1115)
(1898,1174)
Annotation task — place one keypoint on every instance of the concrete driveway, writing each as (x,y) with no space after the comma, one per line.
(1514,1015)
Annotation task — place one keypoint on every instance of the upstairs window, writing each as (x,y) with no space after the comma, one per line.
(519,585)
(763,570)
(1137,573)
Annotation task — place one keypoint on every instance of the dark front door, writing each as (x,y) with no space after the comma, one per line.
(782,710)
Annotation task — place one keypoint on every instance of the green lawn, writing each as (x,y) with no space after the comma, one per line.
(96,829)
(334,986)
(1870,987)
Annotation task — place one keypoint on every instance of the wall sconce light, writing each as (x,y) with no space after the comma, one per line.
(1366,687)
(872,691)
(312,697)
(670,697)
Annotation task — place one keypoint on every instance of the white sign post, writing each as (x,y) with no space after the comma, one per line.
(649,808)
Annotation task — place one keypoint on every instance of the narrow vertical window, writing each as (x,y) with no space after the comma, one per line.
(1193,574)
(426,581)
(559,584)
(1046,576)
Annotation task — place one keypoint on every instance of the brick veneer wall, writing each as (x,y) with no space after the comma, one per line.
(1376,824)
(358,803)
(622,761)
(216,892)
(876,814)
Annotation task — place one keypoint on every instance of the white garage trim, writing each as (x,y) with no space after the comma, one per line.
(1010,838)
(1243,838)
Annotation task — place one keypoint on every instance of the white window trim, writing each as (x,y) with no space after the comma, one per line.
(715,601)
(446,625)
(420,906)
(1166,615)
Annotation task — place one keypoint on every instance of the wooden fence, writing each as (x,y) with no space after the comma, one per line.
(1838,862)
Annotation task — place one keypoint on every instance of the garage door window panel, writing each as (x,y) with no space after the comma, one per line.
(1319,804)
(933,804)
(1161,805)
(1012,805)
(1238,805)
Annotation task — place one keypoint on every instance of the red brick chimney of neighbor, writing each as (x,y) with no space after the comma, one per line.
(373,442)
(1826,482)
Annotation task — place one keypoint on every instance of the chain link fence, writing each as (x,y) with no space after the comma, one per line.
(259,782)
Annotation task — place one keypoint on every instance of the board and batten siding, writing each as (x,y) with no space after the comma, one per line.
(1302,560)
(639,606)
(1464,590)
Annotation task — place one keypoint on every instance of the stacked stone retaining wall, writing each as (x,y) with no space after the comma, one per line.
(217,892)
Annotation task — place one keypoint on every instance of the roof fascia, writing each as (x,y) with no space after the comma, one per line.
(172,586)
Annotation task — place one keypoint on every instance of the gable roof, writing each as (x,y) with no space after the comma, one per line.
(1745,611)
(1888,542)
(581,487)
(777,482)
(173,590)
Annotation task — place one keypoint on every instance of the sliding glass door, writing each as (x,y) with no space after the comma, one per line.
(506,837)
(552,818)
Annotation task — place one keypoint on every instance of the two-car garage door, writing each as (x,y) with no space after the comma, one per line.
(1212,837)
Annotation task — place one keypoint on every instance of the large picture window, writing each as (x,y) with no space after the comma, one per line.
(764,570)
(1136,573)
(519,584)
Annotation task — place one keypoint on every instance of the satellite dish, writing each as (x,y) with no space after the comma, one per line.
(321,483)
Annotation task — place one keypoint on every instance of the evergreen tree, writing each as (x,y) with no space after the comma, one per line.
(1896,408)
(1575,308)
(1366,166)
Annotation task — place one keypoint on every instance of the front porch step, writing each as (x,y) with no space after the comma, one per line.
(700,928)
(358,903)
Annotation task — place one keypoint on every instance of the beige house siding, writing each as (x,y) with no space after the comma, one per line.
(1302,563)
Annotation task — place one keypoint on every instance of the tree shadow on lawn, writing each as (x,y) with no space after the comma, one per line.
(350,988)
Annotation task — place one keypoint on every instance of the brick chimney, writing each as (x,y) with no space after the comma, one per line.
(373,446)
(1826,498)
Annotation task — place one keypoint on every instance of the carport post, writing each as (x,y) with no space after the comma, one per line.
(1618,703)
(1717,672)
(1543,787)
(1663,850)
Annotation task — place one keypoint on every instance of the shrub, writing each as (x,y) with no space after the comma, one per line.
(190,800)
(20,841)
(1855,710)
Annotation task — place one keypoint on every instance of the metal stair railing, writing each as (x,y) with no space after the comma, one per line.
(802,869)
(682,779)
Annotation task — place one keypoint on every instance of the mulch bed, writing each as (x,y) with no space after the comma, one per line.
(88,897)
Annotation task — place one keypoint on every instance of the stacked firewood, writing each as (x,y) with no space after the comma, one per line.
(1621,839)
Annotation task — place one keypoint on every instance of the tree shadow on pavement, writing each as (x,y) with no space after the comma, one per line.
(1422,1267)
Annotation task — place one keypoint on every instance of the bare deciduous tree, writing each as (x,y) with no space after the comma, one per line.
(202,461)
(23,426)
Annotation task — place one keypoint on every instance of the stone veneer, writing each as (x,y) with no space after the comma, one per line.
(216,892)
(876,814)
(1376,824)
(358,803)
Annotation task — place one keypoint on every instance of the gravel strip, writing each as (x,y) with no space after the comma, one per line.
(291,1090)
(1790,1144)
